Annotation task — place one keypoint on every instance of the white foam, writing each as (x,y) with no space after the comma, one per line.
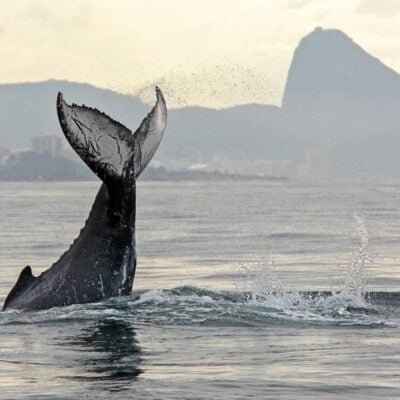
(160,296)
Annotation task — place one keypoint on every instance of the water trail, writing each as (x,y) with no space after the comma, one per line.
(354,284)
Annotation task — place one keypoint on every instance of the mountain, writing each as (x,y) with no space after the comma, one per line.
(339,116)
(331,73)
(345,103)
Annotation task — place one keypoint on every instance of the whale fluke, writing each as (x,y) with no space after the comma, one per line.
(107,146)
(150,132)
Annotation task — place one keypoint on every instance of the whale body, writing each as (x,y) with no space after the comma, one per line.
(101,262)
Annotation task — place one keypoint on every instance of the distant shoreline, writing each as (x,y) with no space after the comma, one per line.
(211,178)
(161,174)
(30,166)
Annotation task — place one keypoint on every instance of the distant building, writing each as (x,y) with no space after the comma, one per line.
(4,153)
(48,144)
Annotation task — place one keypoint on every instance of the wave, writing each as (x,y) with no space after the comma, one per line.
(192,306)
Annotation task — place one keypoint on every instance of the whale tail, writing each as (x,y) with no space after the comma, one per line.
(109,148)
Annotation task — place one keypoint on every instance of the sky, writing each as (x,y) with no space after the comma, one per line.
(201,52)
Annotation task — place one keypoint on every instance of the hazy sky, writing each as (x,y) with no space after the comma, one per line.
(207,52)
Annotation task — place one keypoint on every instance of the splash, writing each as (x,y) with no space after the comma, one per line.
(259,280)
(354,284)
(264,288)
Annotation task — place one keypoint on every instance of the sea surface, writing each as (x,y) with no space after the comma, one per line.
(244,290)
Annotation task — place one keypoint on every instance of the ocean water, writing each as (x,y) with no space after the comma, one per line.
(244,290)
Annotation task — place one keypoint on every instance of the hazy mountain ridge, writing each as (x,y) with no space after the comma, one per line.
(29,109)
(339,115)
(329,68)
(346,103)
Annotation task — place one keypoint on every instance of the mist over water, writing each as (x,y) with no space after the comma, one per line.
(244,288)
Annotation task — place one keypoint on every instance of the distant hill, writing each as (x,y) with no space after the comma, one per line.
(30,166)
(330,73)
(29,109)
(339,116)
(345,104)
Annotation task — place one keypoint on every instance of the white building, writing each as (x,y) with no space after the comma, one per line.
(48,144)
(4,153)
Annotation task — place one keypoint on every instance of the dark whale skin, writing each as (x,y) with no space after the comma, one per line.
(101,262)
